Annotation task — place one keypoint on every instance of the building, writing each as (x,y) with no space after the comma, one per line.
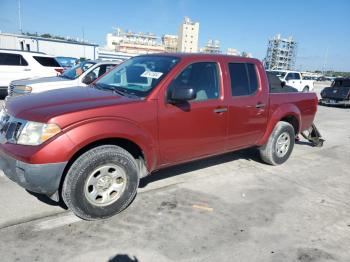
(133,43)
(281,53)
(212,47)
(50,46)
(104,54)
(233,51)
(188,36)
(170,43)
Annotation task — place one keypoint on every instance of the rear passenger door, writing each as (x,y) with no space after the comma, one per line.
(12,67)
(247,105)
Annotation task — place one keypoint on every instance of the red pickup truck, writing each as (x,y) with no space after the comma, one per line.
(91,145)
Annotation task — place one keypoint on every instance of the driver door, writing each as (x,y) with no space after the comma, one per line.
(196,128)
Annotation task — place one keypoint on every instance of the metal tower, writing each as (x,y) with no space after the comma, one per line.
(281,53)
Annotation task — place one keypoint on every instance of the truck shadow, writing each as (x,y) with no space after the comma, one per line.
(250,154)
(45,199)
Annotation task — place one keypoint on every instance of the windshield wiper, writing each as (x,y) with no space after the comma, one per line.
(115,89)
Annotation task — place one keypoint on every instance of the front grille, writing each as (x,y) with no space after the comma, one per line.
(10,127)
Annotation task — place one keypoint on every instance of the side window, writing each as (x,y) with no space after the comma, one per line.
(101,70)
(290,76)
(47,61)
(203,77)
(12,60)
(296,76)
(244,80)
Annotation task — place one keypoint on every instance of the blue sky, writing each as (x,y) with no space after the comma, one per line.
(246,25)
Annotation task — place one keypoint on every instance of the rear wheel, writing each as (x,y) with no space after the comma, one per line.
(101,182)
(306,89)
(280,144)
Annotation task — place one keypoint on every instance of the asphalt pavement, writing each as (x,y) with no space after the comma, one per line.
(227,208)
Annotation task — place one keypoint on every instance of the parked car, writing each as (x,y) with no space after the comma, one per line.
(80,75)
(91,145)
(337,94)
(278,86)
(294,79)
(66,62)
(15,64)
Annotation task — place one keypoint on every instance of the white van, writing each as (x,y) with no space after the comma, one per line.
(16,64)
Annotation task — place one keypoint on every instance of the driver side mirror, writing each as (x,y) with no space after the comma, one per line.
(181,93)
(89,78)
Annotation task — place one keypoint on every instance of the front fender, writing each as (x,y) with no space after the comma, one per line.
(282,111)
(87,132)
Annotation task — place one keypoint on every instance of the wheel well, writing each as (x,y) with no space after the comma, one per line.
(293,121)
(126,144)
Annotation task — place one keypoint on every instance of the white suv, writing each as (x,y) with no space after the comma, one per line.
(82,74)
(16,64)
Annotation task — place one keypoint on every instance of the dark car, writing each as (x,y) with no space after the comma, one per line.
(337,94)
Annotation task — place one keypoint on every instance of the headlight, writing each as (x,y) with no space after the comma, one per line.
(23,89)
(34,133)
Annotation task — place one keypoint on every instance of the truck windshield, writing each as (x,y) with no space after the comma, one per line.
(138,76)
(77,70)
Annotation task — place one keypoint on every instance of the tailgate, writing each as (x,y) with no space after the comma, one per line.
(337,93)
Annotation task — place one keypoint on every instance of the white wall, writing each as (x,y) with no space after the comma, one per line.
(54,48)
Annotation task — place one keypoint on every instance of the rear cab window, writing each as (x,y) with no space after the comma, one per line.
(47,61)
(12,60)
(244,79)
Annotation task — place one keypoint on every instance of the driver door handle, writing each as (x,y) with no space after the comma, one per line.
(220,110)
(260,105)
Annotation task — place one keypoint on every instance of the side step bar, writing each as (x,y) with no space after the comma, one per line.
(314,136)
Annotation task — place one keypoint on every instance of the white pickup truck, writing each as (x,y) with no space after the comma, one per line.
(294,79)
(80,75)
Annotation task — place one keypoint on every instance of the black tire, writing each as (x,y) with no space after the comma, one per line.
(306,89)
(73,189)
(269,153)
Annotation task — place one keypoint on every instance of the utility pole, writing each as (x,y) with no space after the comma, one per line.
(325,61)
(19,17)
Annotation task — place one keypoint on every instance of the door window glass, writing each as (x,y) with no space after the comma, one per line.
(202,77)
(244,80)
(12,60)
(296,76)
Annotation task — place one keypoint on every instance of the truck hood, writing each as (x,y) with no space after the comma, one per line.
(42,107)
(39,80)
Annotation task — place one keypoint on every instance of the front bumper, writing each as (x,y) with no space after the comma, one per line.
(332,102)
(39,178)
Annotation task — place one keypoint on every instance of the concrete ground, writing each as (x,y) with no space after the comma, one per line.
(226,208)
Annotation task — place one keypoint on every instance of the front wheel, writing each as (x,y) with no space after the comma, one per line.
(280,144)
(101,182)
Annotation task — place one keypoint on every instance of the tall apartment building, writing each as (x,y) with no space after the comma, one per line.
(212,47)
(188,36)
(170,43)
(281,53)
(133,43)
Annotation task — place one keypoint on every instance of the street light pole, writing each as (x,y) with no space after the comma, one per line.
(19,17)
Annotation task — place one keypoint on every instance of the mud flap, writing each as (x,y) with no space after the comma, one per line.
(314,136)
